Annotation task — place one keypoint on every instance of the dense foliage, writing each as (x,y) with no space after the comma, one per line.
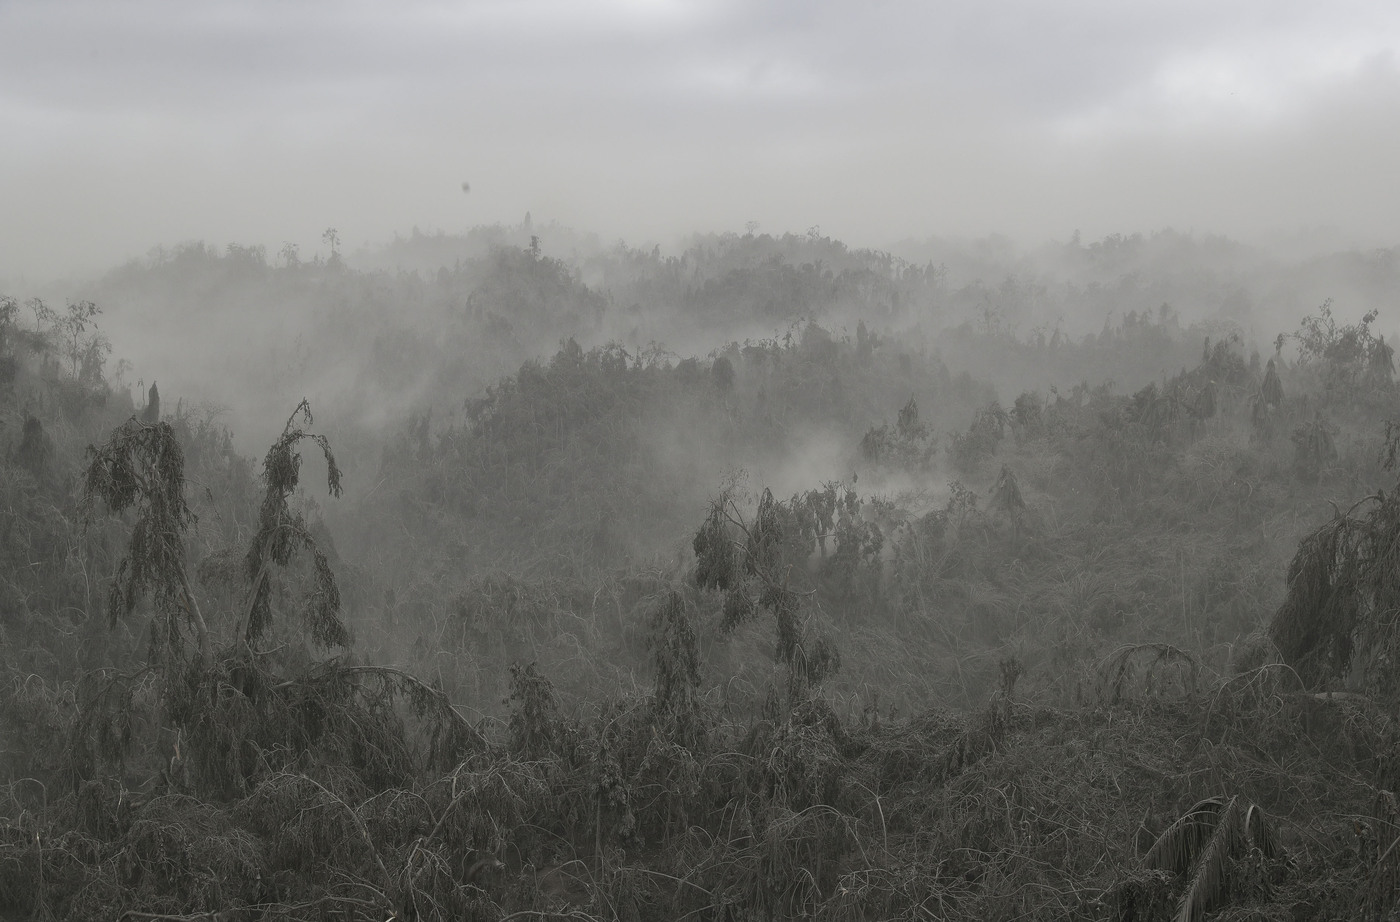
(811,624)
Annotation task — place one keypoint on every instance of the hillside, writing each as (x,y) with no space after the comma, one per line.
(770,580)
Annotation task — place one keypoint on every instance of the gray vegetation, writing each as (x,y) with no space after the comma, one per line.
(768,580)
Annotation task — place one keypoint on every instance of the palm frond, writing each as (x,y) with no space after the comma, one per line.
(1210,880)
(1177,847)
(1257,832)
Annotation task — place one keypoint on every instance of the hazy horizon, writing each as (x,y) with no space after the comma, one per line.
(152,123)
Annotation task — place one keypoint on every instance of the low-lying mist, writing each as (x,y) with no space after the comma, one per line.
(525,403)
(428,321)
(767,524)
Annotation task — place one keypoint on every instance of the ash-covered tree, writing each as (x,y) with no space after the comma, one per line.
(750,563)
(676,659)
(35,451)
(243,713)
(282,531)
(909,445)
(151,413)
(1314,448)
(1006,496)
(9,339)
(722,374)
(1028,415)
(969,449)
(141,468)
(1265,406)
(1271,391)
(1348,360)
(1337,626)
(68,332)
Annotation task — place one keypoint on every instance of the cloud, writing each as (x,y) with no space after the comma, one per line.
(143,122)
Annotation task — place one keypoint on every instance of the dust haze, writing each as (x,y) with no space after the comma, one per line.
(155,123)
(662,459)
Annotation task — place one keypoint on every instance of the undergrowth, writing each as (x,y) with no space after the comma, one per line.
(1065,684)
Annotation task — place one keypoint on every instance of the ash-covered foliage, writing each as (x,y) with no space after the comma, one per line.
(142,468)
(584,447)
(1349,360)
(969,449)
(910,445)
(281,531)
(1047,706)
(676,660)
(1337,626)
(35,452)
(751,562)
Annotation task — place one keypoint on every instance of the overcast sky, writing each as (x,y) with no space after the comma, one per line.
(128,124)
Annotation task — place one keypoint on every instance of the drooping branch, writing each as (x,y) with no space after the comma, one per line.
(1342,585)
(142,468)
(281,531)
(746,561)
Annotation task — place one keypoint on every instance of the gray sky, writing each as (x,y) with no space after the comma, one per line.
(132,123)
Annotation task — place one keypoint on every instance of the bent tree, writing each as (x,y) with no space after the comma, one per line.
(140,471)
(749,563)
(243,715)
(284,734)
(1338,624)
(281,531)
(142,468)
